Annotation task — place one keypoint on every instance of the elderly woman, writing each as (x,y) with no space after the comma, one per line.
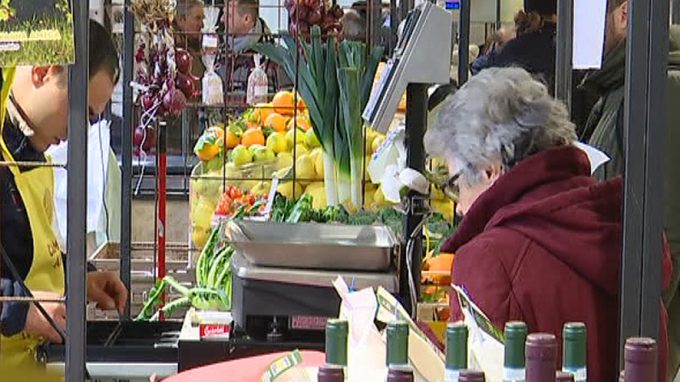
(540,240)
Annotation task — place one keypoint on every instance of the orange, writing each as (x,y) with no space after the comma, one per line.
(302,122)
(252,137)
(262,112)
(276,121)
(252,125)
(443,264)
(284,103)
(232,140)
(301,104)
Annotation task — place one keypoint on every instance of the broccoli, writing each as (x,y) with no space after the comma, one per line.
(393,219)
(362,218)
(335,214)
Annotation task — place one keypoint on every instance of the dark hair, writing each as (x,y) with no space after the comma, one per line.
(250,7)
(528,22)
(103,52)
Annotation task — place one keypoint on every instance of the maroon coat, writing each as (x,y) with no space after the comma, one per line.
(543,245)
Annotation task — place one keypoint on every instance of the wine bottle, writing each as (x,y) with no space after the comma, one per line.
(336,352)
(574,350)
(400,374)
(640,359)
(515,338)
(471,376)
(397,343)
(541,356)
(398,369)
(564,377)
(456,350)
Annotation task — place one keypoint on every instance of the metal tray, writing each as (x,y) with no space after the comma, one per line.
(313,245)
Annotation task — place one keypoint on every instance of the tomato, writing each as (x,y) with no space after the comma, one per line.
(224,206)
(251,199)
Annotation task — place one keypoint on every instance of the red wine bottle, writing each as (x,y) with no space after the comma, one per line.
(471,376)
(541,355)
(336,352)
(400,374)
(641,357)
(564,377)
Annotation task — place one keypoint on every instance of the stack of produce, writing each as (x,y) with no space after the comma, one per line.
(335,81)
(305,14)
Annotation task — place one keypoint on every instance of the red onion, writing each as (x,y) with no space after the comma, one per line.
(183,60)
(174,101)
(186,85)
(148,101)
(315,17)
(139,136)
(150,141)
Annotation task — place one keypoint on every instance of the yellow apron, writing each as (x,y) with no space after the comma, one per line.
(36,187)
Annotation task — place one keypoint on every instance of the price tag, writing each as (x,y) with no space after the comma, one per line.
(277,368)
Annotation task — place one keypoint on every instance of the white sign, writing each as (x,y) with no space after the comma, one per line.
(589,27)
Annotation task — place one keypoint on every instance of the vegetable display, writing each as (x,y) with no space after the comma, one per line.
(331,75)
(305,14)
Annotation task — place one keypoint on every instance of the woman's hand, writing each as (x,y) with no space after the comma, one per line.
(106,289)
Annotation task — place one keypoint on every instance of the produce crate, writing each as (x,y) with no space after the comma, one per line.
(178,265)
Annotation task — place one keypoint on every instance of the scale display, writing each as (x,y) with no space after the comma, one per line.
(422,55)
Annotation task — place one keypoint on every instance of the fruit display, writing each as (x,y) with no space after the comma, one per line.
(305,14)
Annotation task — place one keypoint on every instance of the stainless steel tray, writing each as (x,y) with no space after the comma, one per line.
(313,245)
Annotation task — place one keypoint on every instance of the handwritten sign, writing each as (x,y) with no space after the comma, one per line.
(36,32)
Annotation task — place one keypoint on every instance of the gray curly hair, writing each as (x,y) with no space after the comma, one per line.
(502,114)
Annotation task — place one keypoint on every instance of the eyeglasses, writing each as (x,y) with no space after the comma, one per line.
(448,184)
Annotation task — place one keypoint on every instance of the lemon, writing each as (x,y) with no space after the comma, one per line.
(311,139)
(200,236)
(286,189)
(263,154)
(202,214)
(304,168)
(240,155)
(318,193)
(301,150)
(261,189)
(278,143)
(294,138)
(284,160)
(317,157)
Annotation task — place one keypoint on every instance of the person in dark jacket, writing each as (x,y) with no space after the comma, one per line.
(540,239)
(245,28)
(605,131)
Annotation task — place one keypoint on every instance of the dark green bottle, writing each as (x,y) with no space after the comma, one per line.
(397,343)
(574,350)
(514,361)
(456,350)
(336,352)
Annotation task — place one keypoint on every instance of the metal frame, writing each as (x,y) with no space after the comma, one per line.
(76,294)
(464,42)
(565,48)
(645,119)
(126,154)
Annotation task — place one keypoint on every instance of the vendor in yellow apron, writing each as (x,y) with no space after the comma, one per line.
(36,187)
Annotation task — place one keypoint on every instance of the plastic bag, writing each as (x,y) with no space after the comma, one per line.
(213,91)
(258,83)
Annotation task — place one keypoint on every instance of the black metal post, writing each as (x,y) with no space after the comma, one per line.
(76,294)
(565,46)
(645,125)
(126,154)
(394,27)
(499,21)
(464,42)
(416,124)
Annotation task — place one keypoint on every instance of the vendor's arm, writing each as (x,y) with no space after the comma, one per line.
(13,314)
(106,289)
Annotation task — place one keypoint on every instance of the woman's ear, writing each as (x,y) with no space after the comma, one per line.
(494,171)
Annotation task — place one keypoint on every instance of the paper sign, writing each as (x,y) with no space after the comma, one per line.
(36,32)
(589,26)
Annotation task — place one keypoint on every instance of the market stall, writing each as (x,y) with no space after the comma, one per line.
(292,208)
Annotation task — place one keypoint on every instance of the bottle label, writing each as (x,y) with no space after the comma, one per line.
(580,374)
(451,375)
(513,375)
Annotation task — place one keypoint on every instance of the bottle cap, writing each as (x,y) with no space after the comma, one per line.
(397,343)
(336,342)
(515,338)
(456,346)
(541,346)
(640,350)
(400,374)
(330,374)
(471,376)
(574,335)
(564,377)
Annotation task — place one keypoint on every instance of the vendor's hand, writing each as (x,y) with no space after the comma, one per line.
(106,289)
(38,326)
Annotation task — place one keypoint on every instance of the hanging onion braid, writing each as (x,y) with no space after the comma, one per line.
(528,22)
